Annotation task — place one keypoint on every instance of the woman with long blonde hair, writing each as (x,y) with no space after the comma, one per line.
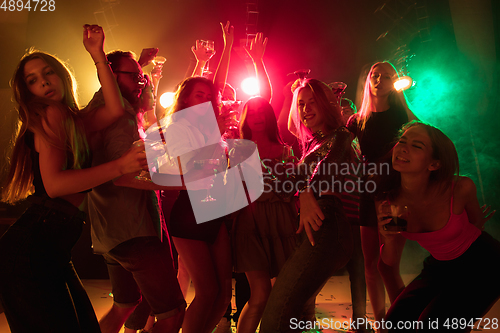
(39,288)
(383,111)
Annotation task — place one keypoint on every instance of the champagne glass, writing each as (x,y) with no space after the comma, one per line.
(158,61)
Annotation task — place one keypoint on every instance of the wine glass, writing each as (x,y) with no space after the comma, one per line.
(158,61)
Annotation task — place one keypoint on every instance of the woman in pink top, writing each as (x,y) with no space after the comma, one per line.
(446,219)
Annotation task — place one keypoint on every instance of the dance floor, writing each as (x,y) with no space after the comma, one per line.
(333,304)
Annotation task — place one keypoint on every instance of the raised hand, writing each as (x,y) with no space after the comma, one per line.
(201,53)
(227,120)
(227,33)
(93,39)
(257,47)
(147,55)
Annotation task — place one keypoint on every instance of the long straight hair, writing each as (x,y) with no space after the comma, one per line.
(32,114)
(395,99)
(271,127)
(328,105)
(185,88)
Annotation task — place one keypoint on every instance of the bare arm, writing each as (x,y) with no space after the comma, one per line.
(147,55)
(220,76)
(477,215)
(203,178)
(291,123)
(130,180)
(59,181)
(392,241)
(202,56)
(256,53)
(285,108)
(93,39)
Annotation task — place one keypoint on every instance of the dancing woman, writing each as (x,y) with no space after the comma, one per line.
(327,242)
(382,113)
(203,247)
(39,288)
(445,218)
(264,232)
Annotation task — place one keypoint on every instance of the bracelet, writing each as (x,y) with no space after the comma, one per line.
(102,62)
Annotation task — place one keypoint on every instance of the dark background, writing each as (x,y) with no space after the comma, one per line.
(449,47)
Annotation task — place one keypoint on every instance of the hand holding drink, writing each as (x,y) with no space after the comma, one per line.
(398,215)
(153,149)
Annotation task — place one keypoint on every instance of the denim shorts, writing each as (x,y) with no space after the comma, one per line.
(144,265)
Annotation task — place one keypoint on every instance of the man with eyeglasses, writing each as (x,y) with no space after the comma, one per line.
(127,227)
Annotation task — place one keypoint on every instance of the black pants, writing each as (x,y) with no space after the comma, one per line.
(452,291)
(39,288)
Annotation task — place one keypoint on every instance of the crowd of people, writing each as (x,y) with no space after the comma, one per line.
(311,219)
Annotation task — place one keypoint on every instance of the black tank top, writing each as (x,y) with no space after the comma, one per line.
(40,191)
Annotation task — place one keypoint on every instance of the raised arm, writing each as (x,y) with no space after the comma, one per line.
(256,53)
(147,55)
(202,55)
(93,40)
(291,124)
(60,181)
(220,76)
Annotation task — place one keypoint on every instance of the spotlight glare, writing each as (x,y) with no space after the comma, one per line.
(403,83)
(167,99)
(250,86)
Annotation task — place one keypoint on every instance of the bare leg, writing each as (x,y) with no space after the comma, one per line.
(221,252)
(392,279)
(114,319)
(374,282)
(169,325)
(210,269)
(150,323)
(183,277)
(260,288)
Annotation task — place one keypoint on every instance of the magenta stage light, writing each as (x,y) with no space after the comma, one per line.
(250,86)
